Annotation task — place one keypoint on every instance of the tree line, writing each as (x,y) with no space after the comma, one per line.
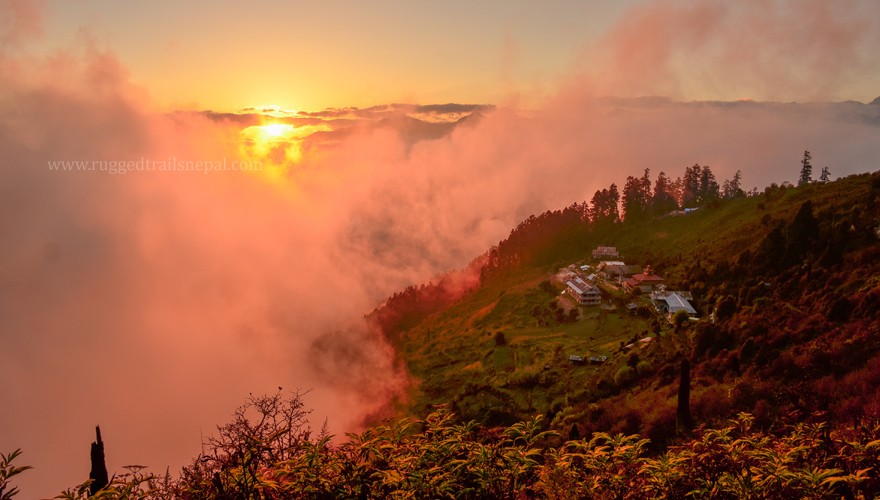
(640,200)
(543,238)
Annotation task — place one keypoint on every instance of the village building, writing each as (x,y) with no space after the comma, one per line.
(669,303)
(645,282)
(619,271)
(608,269)
(585,293)
(605,253)
(565,274)
(598,360)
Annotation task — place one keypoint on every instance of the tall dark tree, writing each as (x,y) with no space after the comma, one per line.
(690,186)
(733,187)
(806,176)
(613,203)
(683,420)
(772,248)
(635,199)
(708,190)
(598,212)
(803,233)
(98,474)
(663,198)
(604,206)
(646,186)
(574,434)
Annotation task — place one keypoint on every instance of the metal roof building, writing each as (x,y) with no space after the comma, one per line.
(672,302)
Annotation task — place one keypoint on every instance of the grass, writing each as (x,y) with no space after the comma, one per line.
(456,350)
(454,354)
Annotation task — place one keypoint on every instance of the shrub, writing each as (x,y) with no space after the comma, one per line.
(265,432)
(604,386)
(680,318)
(625,376)
(725,308)
(712,403)
(633,359)
(500,339)
(747,351)
(437,457)
(840,310)
(7,472)
(548,287)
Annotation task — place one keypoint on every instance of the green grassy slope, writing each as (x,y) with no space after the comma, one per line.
(807,293)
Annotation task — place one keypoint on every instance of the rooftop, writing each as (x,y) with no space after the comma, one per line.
(580,286)
(675,303)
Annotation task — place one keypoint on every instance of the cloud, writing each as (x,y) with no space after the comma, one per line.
(152,303)
(452,108)
(433,113)
(785,49)
(243,119)
(22,21)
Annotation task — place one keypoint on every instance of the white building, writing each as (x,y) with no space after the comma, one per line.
(672,302)
(603,252)
(585,293)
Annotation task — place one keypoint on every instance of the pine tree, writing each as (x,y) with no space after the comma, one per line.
(613,203)
(690,186)
(708,186)
(663,199)
(683,420)
(732,188)
(646,188)
(825,176)
(806,170)
(604,206)
(597,204)
(636,198)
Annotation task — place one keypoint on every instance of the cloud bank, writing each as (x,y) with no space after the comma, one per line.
(776,50)
(152,303)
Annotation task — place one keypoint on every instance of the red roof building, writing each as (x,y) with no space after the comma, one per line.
(645,281)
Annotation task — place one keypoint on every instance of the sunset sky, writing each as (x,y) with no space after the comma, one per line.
(153,302)
(227,55)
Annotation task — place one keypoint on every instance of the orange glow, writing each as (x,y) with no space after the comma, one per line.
(273,146)
(276,146)
(275,130)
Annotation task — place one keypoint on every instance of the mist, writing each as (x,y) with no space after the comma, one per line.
(153,302)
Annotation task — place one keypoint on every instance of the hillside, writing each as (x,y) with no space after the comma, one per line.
(785,283)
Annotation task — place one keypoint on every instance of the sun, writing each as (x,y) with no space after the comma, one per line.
(276,130)
(270,135)
(275,145)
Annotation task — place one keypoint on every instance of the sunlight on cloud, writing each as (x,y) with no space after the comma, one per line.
(276,147)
